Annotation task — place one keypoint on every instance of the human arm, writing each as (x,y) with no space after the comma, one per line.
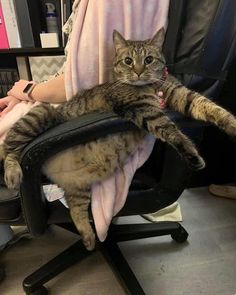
(52,91)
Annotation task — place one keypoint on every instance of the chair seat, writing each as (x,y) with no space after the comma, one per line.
(10,206)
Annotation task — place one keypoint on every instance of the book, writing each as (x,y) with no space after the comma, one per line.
(8,76)
(36,19)
(12,29)
(67,7)
(23,68)
(62,24)
(24,23)
(4,44)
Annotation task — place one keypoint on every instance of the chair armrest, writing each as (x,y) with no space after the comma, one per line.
(78,131)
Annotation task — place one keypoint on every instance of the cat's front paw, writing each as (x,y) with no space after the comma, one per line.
(196,163)
(13,177)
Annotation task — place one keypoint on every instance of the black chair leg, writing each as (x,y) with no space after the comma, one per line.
(115,258)
(127,232)
(33,284)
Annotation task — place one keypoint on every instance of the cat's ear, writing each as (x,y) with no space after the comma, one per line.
(158,39)
(118,40)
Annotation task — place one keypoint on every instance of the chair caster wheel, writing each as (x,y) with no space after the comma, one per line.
(40,291)
(180,236)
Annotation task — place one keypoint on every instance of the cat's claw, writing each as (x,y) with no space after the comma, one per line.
(13,177)
(197,163)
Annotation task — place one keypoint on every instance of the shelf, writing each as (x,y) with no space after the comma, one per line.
(33,51)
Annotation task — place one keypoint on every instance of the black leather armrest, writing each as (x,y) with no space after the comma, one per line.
(79,131)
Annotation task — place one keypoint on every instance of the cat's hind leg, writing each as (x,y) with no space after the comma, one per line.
(78,202)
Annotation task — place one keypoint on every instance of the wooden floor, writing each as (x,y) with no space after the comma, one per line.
(206,264)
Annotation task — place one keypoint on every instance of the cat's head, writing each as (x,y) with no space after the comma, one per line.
(139,62)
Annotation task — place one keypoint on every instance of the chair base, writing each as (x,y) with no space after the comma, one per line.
(34,283)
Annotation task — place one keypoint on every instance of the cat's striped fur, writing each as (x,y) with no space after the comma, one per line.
(139,72)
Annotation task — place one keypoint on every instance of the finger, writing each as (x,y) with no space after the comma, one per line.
(4,112)
(2,108)
(2,103)
(8,108)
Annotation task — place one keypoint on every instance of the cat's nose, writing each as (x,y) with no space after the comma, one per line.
(138,69)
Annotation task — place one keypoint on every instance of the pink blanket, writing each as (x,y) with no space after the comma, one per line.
(15,114)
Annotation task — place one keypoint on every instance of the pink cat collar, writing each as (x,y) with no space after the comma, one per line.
(165,73)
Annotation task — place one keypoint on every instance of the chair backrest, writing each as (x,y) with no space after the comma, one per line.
(199,46)
(195,29)
(201,42)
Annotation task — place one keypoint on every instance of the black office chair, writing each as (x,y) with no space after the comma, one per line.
(192,51)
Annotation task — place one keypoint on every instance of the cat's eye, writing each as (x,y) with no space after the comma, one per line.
(128,61)
(148,60)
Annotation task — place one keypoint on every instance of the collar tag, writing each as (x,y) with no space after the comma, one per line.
(161,99)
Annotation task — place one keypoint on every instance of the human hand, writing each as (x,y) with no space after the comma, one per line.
(18,90)
(7,103)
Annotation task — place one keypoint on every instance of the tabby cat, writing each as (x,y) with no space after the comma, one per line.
(139,72)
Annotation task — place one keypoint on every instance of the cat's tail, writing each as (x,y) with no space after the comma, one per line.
(36,121)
